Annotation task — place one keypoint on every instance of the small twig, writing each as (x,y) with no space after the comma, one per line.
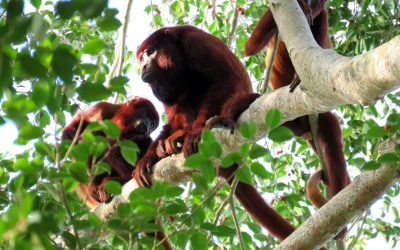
(70,215)
(232,33)
(265,82)
(235,219)
(206,199)
(214,9)
(76,137)
(189,188)
(224,203)
(359,231)
(119,50)
(217,187)
(62,190)
(2,13)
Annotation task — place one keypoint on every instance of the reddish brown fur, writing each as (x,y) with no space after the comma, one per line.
(136,119)
(206,77)
(283,73)
(133,118)
(313,191)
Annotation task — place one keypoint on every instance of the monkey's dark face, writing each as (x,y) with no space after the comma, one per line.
(138,117)
(162,67)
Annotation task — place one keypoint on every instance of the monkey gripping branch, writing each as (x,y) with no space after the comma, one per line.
(328,81)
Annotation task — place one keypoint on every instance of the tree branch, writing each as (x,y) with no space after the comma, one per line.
(328,80)
(330,219)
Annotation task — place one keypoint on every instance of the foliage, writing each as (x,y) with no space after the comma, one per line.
(54,59)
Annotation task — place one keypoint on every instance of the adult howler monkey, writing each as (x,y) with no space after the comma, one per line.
(283,73)
(194,75)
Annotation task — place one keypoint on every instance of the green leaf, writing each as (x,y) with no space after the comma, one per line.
(260,170)
(90,8)
(64,9)
(280,134)
(113,187)
(108,22)
(257,151)
(197,161)
(244,150)
(101,168)
(80,152)
(243,174)
(388,158)
(212,149)
(145,210)
(231,159)
(376,132)
(129,151)
(248,129)
(199,241)
(174,192)
(171,208)
(110,128)
(32,66)
(29,132)
(118,83)
(91,92)
(78,171)
(94,220)
(22,164)
(69,239)
(94,46)
(371,165)
(223,231)
(36,3)
(39,27)
(64,61)
(40,93)
(207,136)
(272,118)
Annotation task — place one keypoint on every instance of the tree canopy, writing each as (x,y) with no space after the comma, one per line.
(58,58)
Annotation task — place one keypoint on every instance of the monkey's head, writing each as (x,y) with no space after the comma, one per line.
(161,60)
(136,118)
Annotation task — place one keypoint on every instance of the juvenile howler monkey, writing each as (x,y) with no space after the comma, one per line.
(194,75)
(136,119)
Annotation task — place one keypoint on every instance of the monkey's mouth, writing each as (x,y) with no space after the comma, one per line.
(141,128)
(147,76)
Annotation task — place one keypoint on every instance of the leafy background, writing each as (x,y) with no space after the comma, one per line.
(54,61)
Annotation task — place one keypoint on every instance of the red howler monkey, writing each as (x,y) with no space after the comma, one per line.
(283,73)
(136,119)
(194,74)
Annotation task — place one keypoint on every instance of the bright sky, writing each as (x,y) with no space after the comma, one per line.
(138,30)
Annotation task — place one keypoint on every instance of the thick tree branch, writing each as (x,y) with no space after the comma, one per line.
(330,219)
(328,80)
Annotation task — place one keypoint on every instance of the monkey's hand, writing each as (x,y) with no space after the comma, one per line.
(191,142)
(221,122)
(174,143)
(143,169)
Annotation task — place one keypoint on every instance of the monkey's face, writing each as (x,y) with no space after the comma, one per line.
(162,65)
(138,117)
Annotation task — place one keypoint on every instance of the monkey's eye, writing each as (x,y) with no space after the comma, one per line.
(150,51)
